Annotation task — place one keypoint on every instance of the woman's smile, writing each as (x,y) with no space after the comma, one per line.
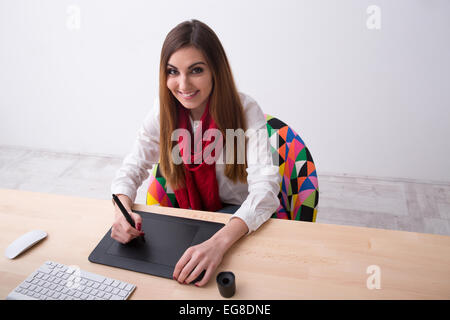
(188,95)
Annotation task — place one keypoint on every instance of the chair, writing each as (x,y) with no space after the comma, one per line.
(299,192)
(299,188)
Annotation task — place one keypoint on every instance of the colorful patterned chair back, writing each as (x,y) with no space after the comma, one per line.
(299,192)
(299,188)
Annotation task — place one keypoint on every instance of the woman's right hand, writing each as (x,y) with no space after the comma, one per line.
(121,230)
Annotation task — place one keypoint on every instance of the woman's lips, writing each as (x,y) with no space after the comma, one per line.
(188,96)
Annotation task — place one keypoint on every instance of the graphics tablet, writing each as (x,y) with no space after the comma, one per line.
(166,239)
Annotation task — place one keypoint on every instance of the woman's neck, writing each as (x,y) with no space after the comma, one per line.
(197,113)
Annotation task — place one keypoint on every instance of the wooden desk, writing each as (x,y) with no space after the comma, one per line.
(282,260)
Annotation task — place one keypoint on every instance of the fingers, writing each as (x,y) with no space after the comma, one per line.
(206,277)
(137,220)
(186,273)
(195,273)
(122,231)
(127,228)
(118,235)
(181,264)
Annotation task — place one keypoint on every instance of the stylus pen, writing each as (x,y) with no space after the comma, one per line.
(125,212)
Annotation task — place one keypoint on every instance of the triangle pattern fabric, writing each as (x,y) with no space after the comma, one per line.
(299,189)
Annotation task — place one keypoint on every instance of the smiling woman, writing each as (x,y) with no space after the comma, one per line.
(197,95)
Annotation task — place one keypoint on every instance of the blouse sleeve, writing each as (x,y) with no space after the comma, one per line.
(145,153)
(263,176)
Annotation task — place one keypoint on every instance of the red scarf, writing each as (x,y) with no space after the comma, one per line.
(201,191)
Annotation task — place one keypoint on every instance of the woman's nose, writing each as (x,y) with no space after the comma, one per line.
(183,82)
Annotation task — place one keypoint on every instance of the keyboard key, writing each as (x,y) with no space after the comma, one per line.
(123,293)
(25,285)
(115,283)
(56,295)
(71,292)
(87,290)
(92,276)
(129,287)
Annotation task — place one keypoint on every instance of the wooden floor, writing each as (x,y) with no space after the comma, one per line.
(358,201)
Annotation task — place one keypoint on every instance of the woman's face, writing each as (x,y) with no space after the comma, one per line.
(189,78)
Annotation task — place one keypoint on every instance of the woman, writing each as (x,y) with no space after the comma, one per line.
(197,93)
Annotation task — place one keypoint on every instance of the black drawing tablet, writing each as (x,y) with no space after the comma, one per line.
(166,239)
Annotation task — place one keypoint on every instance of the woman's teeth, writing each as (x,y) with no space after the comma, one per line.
(188,94)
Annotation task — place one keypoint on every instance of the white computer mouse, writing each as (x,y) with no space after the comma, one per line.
(24,242)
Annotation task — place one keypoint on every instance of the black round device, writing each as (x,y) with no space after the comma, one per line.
(226,283)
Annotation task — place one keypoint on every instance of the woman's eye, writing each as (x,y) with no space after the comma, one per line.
(171,71)
(197,70)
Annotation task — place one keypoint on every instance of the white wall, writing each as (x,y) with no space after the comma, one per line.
(366,102)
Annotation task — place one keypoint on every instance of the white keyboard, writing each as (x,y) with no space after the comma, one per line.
(55,281)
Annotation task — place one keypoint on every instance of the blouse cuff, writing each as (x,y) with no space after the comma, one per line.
(252,222)
(129,192)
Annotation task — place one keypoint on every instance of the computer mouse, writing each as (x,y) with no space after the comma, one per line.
(24,242)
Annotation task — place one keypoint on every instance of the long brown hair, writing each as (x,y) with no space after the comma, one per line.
(225,105)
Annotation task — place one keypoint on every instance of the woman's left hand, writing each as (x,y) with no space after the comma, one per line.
(204,256)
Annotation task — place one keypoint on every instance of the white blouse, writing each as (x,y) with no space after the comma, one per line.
(258,198)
